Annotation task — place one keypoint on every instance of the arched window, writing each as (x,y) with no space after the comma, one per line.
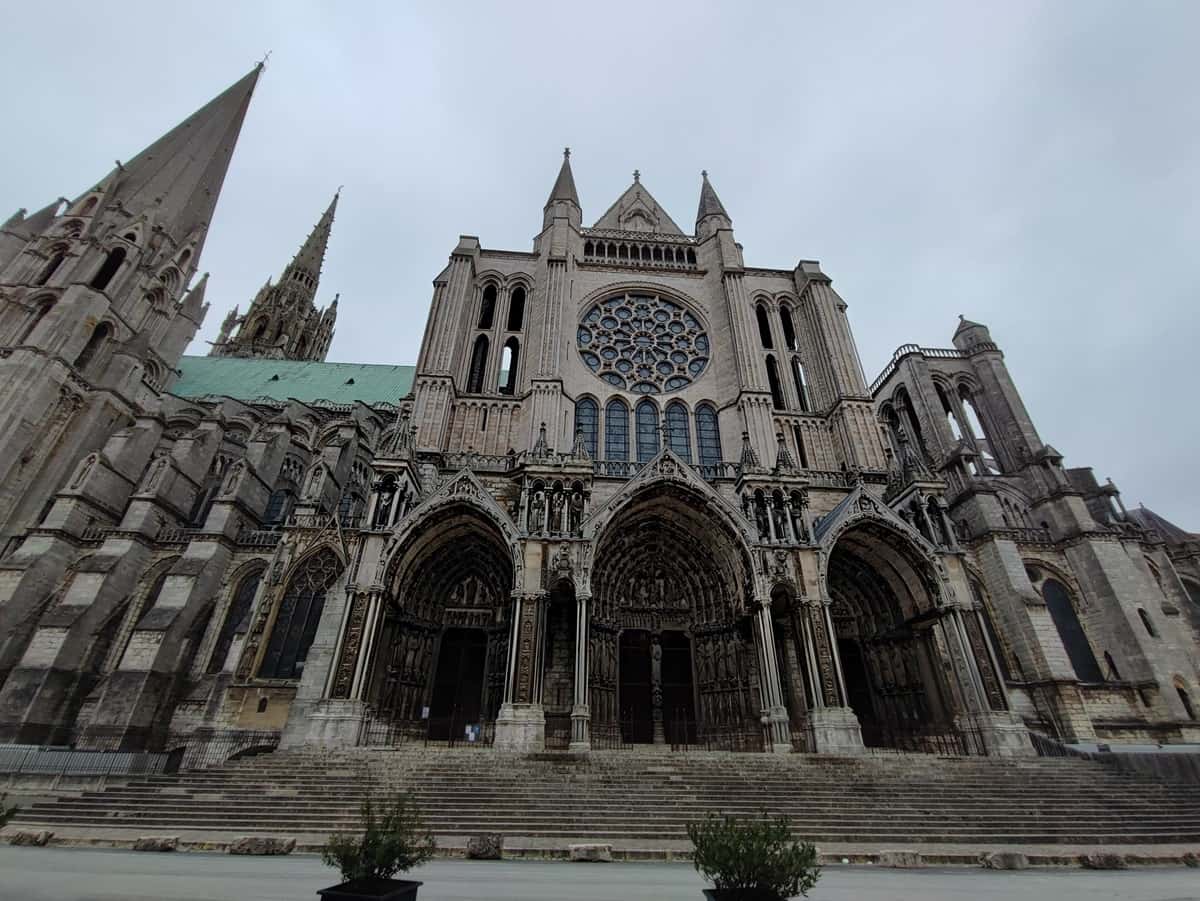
(88,206)
(764,327)
(913,423)
(789,328)
(987,453)
(298,616)
(708,435)
(1070,630)
(108,268)
(516,309)
(509,358)
(40,310)
(478,366)
(1186,700)
(51,267)
(487,308)
(1112,674)
(993,636)
(100,336)
(776,387)
(349,507)
(1150,630)
(647,431)
(260,330)
(587,415)
(951,418)
(235,617)
(616,430)
(801,383)
(801,450)
(278,505)
(679,437)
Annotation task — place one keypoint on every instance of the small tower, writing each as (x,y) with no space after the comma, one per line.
(283,322)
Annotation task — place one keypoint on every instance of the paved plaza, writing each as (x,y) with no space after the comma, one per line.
(57,874)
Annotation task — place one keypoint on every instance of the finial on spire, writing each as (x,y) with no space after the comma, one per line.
(704,174)
(637,176)
(262,63)
(566,153)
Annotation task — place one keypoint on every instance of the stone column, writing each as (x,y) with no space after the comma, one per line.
(656,692)
(521,724)
(778,730)
(833,725)
(581,713)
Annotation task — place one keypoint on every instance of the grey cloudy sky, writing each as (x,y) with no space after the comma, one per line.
(1035,166)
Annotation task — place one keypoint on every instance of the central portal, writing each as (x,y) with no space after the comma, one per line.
(669,659)
(457,699)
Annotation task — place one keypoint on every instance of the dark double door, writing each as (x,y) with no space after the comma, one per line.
(636,688)
(457,698)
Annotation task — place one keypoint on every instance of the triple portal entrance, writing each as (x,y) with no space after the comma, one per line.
(667,649)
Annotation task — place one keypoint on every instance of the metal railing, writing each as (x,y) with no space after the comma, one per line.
(558,731)
(58,761)
(942,739)
(454,730)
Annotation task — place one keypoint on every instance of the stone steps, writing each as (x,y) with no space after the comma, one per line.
(644,797)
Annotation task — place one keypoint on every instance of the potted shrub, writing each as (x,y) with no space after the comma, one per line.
(393,840)
(752,859)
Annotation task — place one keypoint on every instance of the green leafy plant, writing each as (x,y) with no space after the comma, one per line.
(753,858)
(393,840)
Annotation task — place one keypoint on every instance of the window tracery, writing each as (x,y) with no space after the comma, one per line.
(643,343)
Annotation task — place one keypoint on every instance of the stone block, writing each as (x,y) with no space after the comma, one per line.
(1103,862)
(487,846)
(157,843)
(590,853)
(32,839)
(901,860)
(263,845)
(1005,860)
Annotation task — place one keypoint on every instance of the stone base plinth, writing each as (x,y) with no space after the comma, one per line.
(834,730)
(334,724)
(520,727)
(1003,734)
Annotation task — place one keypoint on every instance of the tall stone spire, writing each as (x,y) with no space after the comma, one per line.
(312,255)
(283,321)
(564,185)
(710,206)
(178,178)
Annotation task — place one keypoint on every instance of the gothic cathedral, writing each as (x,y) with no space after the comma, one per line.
(634,491)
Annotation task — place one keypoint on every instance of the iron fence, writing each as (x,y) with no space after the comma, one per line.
(454,730)
(942,739)
(558,731)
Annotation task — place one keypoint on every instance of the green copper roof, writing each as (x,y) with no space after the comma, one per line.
(340,383)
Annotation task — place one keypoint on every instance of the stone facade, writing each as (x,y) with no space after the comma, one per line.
(639,492)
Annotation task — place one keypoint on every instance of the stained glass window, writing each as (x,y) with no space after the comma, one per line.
(616,430)
(1070,630)
(643,343)
(647,431)
(299,614)
(678,434)
(708,435)
(239,609)
(587,414)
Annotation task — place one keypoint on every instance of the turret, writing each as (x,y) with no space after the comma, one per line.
(563,202)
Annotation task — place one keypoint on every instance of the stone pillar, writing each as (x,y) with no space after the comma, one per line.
(1001,733)
(656,693)
(778,730)
(521,724)
(833,726)
(581,713)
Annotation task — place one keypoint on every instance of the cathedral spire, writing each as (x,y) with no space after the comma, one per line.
(710,203)
(564,185)
(179,177)
(312,255)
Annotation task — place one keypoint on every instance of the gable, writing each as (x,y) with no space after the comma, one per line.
(637,211)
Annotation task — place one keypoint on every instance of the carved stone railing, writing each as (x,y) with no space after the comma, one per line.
(258,538)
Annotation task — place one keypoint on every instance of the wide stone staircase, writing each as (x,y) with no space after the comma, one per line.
(645,799)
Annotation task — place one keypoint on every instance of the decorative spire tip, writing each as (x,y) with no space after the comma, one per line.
(566,153)
(637,176)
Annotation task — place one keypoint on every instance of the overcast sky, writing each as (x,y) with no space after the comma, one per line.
(1034,166)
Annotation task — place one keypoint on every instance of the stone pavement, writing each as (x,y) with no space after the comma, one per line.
(56,874)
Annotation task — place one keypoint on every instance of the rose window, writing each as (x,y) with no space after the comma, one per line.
(643,343)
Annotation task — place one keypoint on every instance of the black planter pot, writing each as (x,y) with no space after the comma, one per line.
(372,890)
(741,894)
